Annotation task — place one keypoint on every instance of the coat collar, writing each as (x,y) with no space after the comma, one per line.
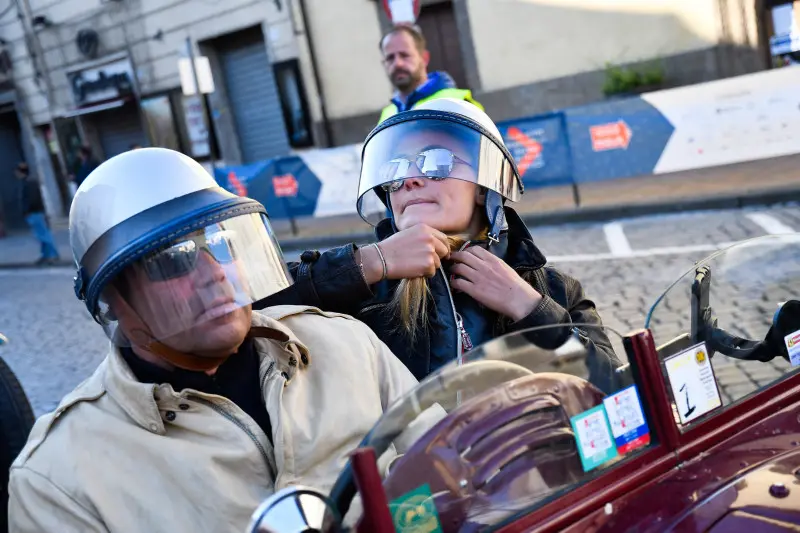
(276,345)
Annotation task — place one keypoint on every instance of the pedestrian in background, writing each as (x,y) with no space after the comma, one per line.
(405,59)
(87,164)
(33,211)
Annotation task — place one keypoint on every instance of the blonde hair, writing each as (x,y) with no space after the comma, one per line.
(410,300)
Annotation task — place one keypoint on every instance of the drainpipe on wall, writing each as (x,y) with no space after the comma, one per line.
(326,125)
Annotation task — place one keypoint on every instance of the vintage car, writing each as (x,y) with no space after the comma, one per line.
(698,429)
(16,421)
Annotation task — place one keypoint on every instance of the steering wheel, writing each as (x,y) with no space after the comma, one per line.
(480,375)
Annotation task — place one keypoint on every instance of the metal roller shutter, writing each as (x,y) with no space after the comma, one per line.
(253,97)
(118,129)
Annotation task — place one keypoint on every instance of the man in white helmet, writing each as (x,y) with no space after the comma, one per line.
(453,267)
(203,407)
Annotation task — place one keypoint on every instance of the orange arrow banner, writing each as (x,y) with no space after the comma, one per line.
(533,149)
(610,136)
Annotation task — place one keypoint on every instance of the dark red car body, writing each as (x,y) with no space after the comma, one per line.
(737,470)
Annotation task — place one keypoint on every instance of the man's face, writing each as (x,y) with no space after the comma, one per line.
(196,313)
(405,65)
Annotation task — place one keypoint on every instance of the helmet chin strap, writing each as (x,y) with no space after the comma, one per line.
(184,360)
(496,215)
(195,362)
(141,336)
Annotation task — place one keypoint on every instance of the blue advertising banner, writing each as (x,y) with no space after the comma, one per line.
(616,139)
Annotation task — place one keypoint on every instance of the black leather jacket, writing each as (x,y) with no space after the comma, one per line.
(333,282)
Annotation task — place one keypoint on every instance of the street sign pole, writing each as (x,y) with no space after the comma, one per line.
(202,97)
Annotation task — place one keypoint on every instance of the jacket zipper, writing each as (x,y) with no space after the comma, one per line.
(466,341)
(241,426)
(460,331)
(266,375)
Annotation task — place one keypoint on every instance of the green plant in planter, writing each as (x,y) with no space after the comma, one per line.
(626,80)
(653,75)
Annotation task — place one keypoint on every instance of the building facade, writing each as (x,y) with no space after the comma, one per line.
(295,74)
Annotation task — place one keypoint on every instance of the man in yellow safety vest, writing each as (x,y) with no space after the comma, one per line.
(406,58)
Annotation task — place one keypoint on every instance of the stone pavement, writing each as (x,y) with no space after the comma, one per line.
(764,181)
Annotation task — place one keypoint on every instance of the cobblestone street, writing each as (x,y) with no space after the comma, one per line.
(624,266)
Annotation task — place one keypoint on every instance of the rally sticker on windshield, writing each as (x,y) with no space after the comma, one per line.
(415,512)
(593,434)
(694,386)
(628,425)
(793,347)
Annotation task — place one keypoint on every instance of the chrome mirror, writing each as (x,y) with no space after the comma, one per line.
(296,510)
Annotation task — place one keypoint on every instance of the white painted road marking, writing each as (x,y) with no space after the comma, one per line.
(617,241)
(770,224)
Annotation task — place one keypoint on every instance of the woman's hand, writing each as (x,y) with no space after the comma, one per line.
(491,282)
(414,252)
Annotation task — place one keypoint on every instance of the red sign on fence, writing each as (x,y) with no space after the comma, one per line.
(533,149)
(611,136)
(285,186)
(237,186)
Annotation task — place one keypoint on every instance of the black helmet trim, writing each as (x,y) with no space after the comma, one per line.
(150,230)
(408,116)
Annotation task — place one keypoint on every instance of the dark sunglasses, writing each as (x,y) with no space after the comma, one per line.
(435,163)
(181,258)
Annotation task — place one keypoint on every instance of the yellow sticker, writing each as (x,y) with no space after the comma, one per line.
(700,357)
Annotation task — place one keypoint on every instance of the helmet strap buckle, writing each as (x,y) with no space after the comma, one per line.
(496,215)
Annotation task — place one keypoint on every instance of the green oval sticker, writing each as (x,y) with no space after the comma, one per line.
(415,512)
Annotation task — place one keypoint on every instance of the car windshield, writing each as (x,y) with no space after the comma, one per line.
(730,326)
(521,420)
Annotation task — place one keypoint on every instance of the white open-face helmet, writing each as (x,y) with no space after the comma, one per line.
(154,234)
(439,139)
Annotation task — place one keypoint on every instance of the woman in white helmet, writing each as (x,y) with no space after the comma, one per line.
(453,267)
(203,407)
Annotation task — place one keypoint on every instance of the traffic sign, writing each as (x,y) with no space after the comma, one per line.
(402,11)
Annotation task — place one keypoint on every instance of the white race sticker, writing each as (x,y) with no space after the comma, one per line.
(595,444)
(694,386)
(627,421)
(793,347)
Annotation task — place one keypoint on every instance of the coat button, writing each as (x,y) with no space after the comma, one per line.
(153,427)
(184,406)
(170,416)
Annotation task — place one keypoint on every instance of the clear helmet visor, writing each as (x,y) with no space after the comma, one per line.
(429,149)
(194,294)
